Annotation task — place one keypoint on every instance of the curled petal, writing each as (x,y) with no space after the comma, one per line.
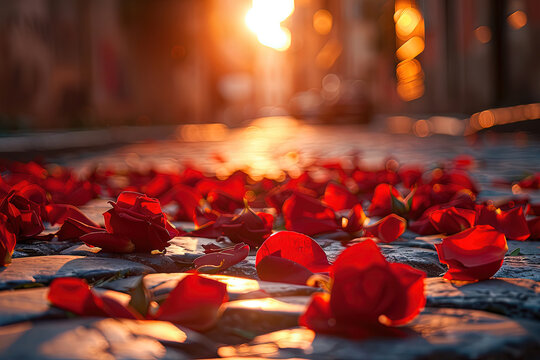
(388,229)
(452,220)
(474,254)
(385,198)
(354,222)
(511,223)
(224,258)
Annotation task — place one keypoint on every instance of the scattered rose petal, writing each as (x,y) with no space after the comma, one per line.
(288,256)
(223,258)
(474,254)
(451,220)
(308,215)
(8,241)
(388,229)
(194,302)
(338,197)
(368,295)
(58,213)
(73,294)
(511,223)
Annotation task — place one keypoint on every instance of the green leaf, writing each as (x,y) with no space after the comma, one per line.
(409,199)
(140,298)
(398,206)
(515,252)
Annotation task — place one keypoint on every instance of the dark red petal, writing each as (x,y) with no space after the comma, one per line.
(278,269)
(534,227)
(73,229)
(8,241)
(109,242)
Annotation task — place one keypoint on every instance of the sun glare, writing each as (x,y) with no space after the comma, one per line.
(264,19)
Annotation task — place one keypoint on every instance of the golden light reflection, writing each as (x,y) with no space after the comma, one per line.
(501,116)
(236,285)
(517,20)
(408,69)
(407,21)
(264,19)
(483,34)
(411,48)
(409,25)
(322,21)
(411,90)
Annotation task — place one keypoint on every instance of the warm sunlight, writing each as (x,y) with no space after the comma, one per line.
(264,19)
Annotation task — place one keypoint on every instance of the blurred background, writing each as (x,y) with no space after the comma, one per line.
(444,66)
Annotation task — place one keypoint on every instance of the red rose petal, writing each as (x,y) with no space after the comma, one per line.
(308,215)
(8,241)
(58,213)
(452,220)
(381,203)
(73,294)
(338,197)
(388,229)
(73,229)
(194,302)
(296,247)
(224,258)
(109,242)
(474,254)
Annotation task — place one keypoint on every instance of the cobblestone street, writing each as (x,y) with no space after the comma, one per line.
(498,316)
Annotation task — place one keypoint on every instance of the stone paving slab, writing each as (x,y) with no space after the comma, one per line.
(243,320)
(26,304)
(509,297)
(95,338)
(160,285)
(435,334)
(30,271)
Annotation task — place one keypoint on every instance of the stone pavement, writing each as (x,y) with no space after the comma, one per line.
(497,318)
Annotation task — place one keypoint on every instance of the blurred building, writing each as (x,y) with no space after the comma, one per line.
(86,63)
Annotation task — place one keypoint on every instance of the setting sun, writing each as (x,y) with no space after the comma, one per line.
(264,19)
